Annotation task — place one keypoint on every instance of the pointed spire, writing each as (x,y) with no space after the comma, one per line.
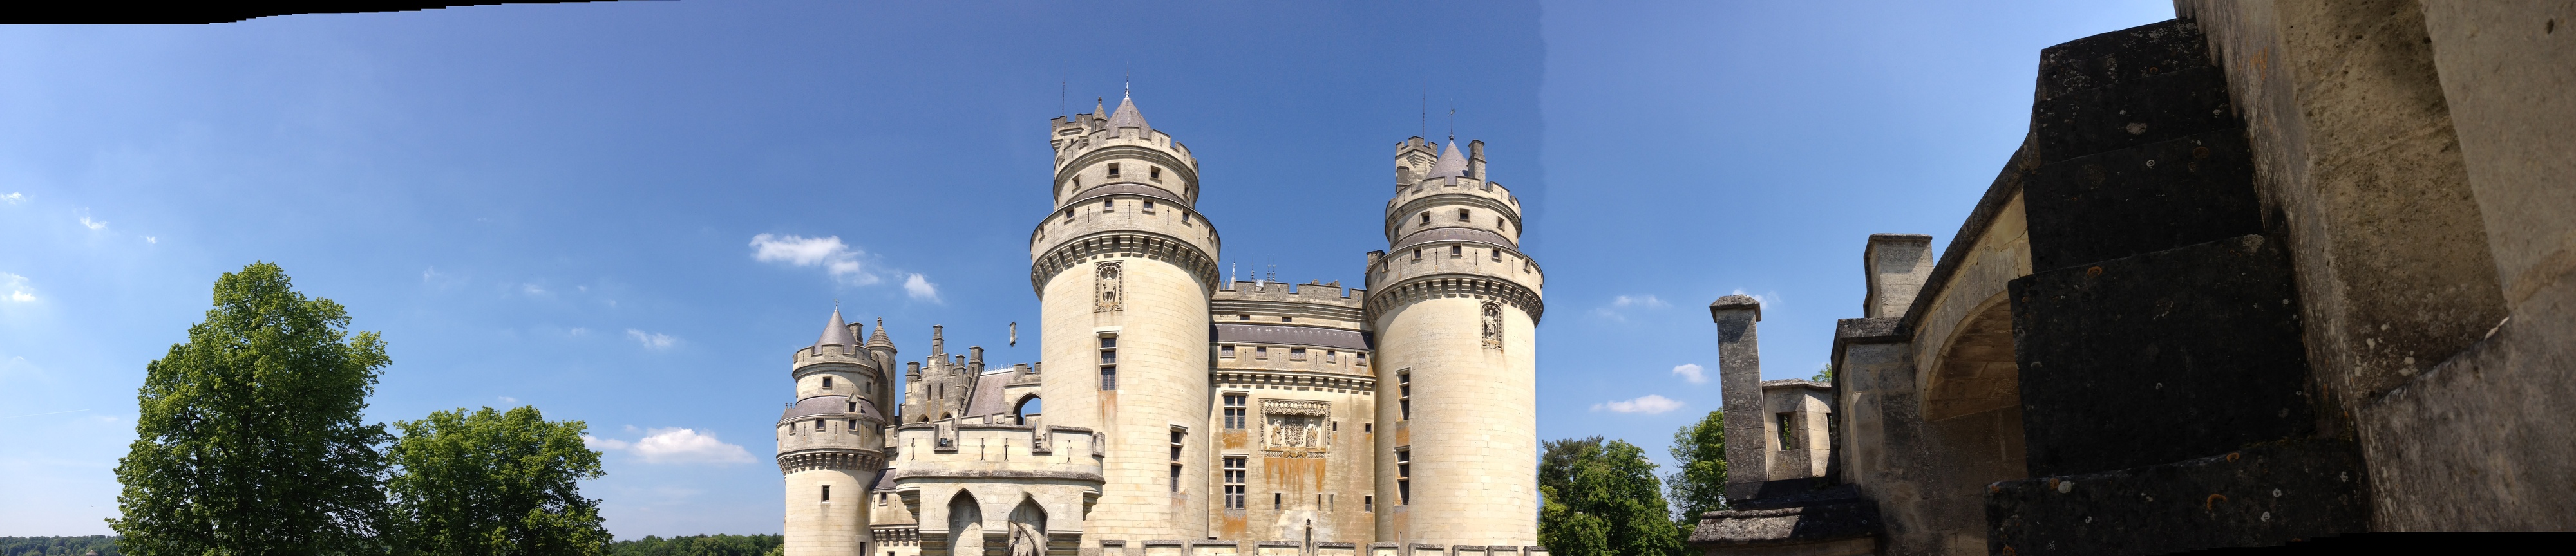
(837,333)
(1127,116)
(1451,164)
(1099,107)
(878,338)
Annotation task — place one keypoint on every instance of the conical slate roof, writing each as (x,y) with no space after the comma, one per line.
(838,333)
(878,338)
(1451,164)
(1127,116)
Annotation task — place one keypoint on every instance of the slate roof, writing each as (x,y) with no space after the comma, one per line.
(836,333)
(988,394)
(1450,163)
(827,405)
(1292,335)
(1124,189)
(1127,116)
(1451,234)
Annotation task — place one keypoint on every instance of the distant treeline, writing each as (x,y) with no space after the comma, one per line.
(57,546)
(700,545)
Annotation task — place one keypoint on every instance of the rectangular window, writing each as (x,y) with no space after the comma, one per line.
(827,493)
(1287,319)
(1426,218)
(1497,254)
(1177,436)
(881,499)
(1417,254)
(1225,352)
(1113,169)
(1462,215)
(1278,501)
(853,426)
(1403,477)
(827,382)
(1109,362)
(1154,172)
(1296,354)
(1107,205)
(1235,411)
(1261,352)
(1368,428)
(1331,356)
(1243,317)
(1456,251)
(1176,477)
(818,425)
(1788,432)
(1149,207)
(1368,503)
(1234,472)
(1404,396)
(1360,358)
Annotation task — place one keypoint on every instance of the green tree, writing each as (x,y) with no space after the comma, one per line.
(1608,503)
(248,440)
(1698,481)
(1823,374)
(495,483)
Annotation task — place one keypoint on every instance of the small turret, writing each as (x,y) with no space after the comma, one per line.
(1127,115)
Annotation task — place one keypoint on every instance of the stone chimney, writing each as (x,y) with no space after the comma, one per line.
(1896,266)
(1739,377)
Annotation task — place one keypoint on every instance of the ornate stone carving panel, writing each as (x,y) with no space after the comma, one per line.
(1296,428)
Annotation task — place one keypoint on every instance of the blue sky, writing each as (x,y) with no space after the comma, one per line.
(630,213)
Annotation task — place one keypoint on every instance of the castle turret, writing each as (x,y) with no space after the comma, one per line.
(1454,303)
(831,439)
(1123,269)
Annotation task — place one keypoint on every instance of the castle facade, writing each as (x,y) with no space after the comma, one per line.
(1177,414)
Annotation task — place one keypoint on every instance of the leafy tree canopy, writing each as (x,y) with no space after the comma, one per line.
(495,483)
(1699,474)
(700,545)
(1604,501)
(249,440)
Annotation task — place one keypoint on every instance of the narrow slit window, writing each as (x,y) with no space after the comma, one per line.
(1404,395)
(827,493)
(1403,477)
(1788,431)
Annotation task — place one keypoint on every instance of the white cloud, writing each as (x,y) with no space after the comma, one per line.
(1647,301)
(828,252)
(1769,300)
(919,288)
(1650,404)
(652,340)
(532,289)
(16,288)
(152,240)
(14,198)
(578,331)
(93,224)
(1691,372)
(674,445)
(507,399)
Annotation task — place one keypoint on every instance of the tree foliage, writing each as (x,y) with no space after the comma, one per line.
(700,545)
(58,546)
(1602,499)
(1699,475)
(249,440)
(495,483)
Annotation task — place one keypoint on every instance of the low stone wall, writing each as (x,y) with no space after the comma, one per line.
(1295,548)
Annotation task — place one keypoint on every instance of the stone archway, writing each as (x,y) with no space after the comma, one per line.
(965,525)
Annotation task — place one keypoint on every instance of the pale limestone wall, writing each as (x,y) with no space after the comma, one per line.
(1472,435)
(1809,410)
(838,527)
(999,468)
(1331,489)
(1997,257)
(1443,197)
(1162,383)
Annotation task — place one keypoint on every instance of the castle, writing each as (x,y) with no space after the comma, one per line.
(1177,414)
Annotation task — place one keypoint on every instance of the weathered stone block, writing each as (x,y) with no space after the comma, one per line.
(2159,357)
(2134,200)
(2121,56)
(2264,494)
(2158,108)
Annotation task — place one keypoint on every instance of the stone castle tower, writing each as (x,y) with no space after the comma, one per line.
(1454,304)
(1175,414)
(1123,269)
(832,438)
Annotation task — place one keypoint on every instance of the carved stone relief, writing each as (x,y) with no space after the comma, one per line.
(1106,283)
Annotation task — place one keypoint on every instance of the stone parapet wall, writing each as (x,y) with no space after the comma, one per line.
(1116,547)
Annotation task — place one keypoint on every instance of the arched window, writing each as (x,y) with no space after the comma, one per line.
(1030,406)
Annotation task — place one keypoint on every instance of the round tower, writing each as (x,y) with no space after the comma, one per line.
(1455,304)
(1123,270)
(831,443)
